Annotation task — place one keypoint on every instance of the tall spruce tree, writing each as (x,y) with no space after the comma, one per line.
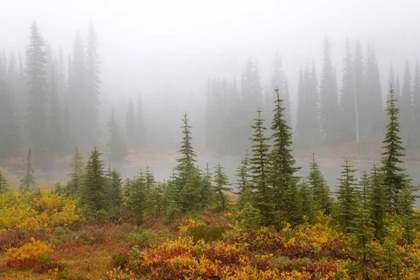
(406,107)
(374,118)
(37,86)
(359,89)
(394,177)
(348,109)
(140,125)
(117,149)
(282,175)
(93,83)
(416,107)
(260,168)
(328,98)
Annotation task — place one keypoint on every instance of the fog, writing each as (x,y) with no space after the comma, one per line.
(168,50)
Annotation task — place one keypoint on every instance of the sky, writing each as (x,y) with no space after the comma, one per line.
(172,47)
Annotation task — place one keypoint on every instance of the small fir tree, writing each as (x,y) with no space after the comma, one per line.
(221,181)
(244,182)
(348,199)
(137,197)
(3,183)
(93,185)
(29,179)
(73,186)
(320,190)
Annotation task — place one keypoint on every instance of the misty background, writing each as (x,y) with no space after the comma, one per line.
(169,51)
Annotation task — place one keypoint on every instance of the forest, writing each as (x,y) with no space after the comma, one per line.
(265,222)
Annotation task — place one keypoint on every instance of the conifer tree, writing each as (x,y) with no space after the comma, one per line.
(116,144)
(29,179)
(416,106)
(306,203)
(37,86)
(348,199)
(394,177)
(244,182)
(406,199)
(74,185)
(319,187)
(137,197)
(187,180)
(406,116)
(362,111)
(348,109)
(377,202)
(131,129)
(373,120)
(221,183)
(140,125)
(113,190)
(279,81)
(93,185)
(207,191)
(56,127)
(8,125)
(328,98)
(3,183)
(93,82)
(282,173)
(260,168)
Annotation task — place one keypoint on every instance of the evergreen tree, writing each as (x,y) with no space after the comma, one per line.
(328,98)
(137,197)
(221,182)
(406,118)
(93,185)
(3,183)
(37,111)
(377,202)
(394,177)
(141,128)
(78,102)
(131,129)
(279,81)
(260,167)
(187,180)
(372,123)
(92,85)
(8,125)
(56,126)
(319,187)
(406,199)
(362,112)
(244,182)
(349,117)
(282,161)
(117,149)
(28,180)
(416,107)
(306,202)
(113,190)
(207,191)
(307,121)
(348,199)
(74,185)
